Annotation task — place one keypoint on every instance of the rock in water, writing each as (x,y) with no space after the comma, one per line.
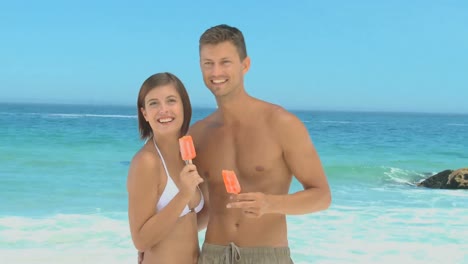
(458,179)
(437,181)
(447,179)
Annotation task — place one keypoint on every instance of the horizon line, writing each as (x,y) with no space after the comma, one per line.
(214,107)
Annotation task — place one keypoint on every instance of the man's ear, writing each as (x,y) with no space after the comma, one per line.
(246,65)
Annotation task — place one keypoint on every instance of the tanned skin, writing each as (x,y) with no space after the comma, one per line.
(265,145)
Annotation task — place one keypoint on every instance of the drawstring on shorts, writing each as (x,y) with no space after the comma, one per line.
(231,254)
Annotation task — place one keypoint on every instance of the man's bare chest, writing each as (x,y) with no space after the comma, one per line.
(250,153)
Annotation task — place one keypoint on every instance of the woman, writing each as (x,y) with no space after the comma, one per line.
(163,193)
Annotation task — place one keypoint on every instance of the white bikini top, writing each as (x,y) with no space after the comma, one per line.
(171,190)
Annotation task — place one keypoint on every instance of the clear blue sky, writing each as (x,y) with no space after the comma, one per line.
(394,55)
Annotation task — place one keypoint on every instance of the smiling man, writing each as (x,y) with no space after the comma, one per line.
(265,145)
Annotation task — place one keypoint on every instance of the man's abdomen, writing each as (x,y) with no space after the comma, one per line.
(268,230)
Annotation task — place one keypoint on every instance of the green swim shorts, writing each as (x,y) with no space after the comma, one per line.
(232,254)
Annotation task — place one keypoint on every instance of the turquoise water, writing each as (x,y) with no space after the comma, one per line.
(63,171)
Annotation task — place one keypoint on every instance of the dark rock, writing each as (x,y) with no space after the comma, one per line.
(437,181)
(447,179)
(458,179)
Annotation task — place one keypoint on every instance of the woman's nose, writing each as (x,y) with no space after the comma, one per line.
(163,108)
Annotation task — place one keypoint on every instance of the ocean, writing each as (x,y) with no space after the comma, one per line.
(63,171)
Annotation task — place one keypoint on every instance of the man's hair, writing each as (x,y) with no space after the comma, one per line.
(153,82)
(222,33)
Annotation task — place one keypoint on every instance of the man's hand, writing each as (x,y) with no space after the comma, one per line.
(253,205)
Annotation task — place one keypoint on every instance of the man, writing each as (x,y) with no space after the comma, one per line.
(265,146)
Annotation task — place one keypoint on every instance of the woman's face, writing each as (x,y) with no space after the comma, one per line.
(163,110)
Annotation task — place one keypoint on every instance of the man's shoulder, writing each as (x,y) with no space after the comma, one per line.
(197,128)
(278,115)
(285,125)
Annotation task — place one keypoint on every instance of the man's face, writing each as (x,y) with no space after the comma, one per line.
(222,69)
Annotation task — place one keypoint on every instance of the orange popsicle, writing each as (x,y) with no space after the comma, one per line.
(231,182)
(187,150)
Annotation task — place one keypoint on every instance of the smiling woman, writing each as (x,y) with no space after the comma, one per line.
(177,92)
(163,199)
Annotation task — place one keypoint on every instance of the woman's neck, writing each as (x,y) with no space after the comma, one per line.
(169,145)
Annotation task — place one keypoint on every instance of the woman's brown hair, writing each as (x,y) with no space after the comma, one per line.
(153,82)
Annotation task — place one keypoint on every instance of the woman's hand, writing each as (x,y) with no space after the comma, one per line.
(189,180)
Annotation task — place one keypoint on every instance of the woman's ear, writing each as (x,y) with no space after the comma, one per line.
(143,112)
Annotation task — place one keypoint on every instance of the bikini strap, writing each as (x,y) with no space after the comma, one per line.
(161,156)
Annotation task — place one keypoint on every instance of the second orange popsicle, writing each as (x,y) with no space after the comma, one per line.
(231,182)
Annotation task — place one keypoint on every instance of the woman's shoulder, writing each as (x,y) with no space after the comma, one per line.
(145,157)
(144,166)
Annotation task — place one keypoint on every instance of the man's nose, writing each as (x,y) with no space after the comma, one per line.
(216,70)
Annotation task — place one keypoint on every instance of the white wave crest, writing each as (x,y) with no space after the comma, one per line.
(346,122)
(89,115)
(402,176)
(68,230)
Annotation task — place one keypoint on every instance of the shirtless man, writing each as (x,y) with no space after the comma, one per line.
(266,146)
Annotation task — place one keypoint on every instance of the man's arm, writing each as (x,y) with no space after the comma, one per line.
(303,161)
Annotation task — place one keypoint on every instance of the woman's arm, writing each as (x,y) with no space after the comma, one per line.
(202,216)
(146,226)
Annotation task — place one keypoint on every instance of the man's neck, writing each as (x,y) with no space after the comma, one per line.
(236,109)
